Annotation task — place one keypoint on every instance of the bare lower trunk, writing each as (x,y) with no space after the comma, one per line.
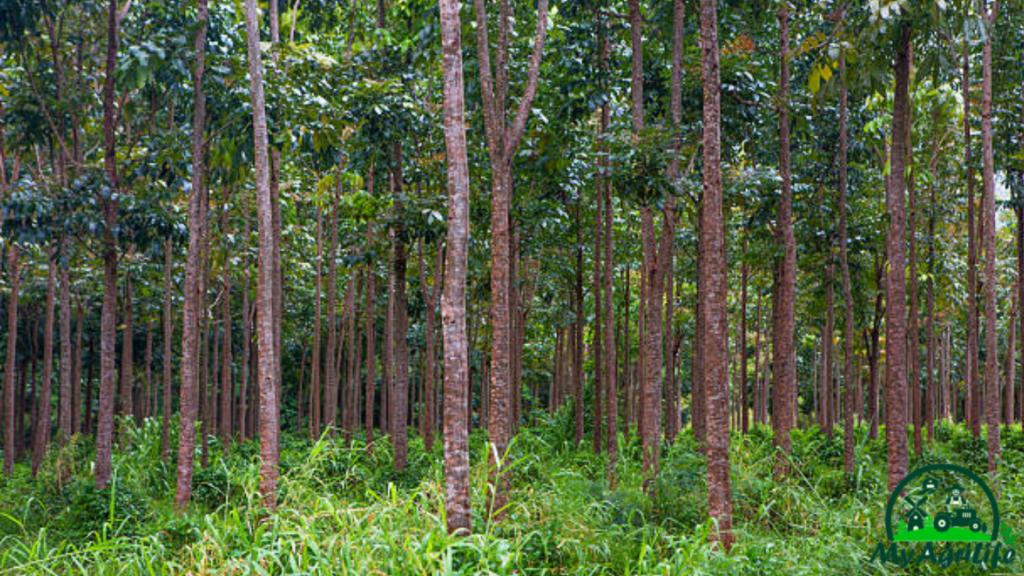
(992,410)
(784,288)
(453,298)
(67,363)
(850,332)
(14,279)
(41,437)
(713,269)
(193,289)
(896,317)
(165,447)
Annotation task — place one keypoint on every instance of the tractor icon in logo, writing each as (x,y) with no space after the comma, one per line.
(958,513)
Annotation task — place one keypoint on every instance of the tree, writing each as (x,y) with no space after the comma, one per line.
(453,297)
(267,321)
(896,294)
(194,289)
(14,277)
(989,221)
(784,287)
(849,329)
(41,437)
(714,272)
(502,140)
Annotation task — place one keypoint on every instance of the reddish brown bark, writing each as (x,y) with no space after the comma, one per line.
(41,436)
(784,286)
(992,410)
(14,279)
(66,394)
(714,272)
(193,290)
(502,140)
(166,360)
(896,317)
(226,398)
(109,204)
(315,397)
(453,298)
(849,330)
(973,410)
(268,293)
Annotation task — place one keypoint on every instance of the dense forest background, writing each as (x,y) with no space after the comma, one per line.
(623,287)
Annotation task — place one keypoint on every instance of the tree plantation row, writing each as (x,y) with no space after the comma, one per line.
(392,220)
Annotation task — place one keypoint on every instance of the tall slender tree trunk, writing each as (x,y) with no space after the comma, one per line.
(1011,363)
(227,393)
(672,422)
(453,298)
(267,304)
(744,414)
(400,327)
(110,205)
(243,396)
(67,363)
(577,343)
(850,332)
(10,365)
(896,318)
(41,438)
(330,409)
(973,411)
(166,363)
(192,309)
(127,393)
(315,397)
(784,287)
(992,410)
(827,416)
(715,274)
(76,374)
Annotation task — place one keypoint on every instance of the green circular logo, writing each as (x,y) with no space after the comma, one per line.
(939,504)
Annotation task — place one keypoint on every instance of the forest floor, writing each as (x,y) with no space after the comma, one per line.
(345,512)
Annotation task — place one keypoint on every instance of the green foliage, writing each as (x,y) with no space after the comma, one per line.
(344,510)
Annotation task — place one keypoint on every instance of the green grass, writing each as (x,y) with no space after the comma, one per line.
(345,512)
(952,534)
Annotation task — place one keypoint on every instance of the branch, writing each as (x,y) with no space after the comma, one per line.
(486,80)
(526,102)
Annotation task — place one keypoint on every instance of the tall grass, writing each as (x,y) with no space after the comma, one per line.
(343,510)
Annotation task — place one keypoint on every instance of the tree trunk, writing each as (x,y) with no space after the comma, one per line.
(973,412)
(400,327)
(742,341)
(784,288)
(41,438)
(827,416)
(330,409)
(192,310)
(67,363)
(850,333)
(226,382)
(166,364)
(127,393)
(14,279)
(713,269)
(453,298)
(895,313)
(267,304)
(315,397)
(110,205)
(577,344)
(76,376)
(992,410)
